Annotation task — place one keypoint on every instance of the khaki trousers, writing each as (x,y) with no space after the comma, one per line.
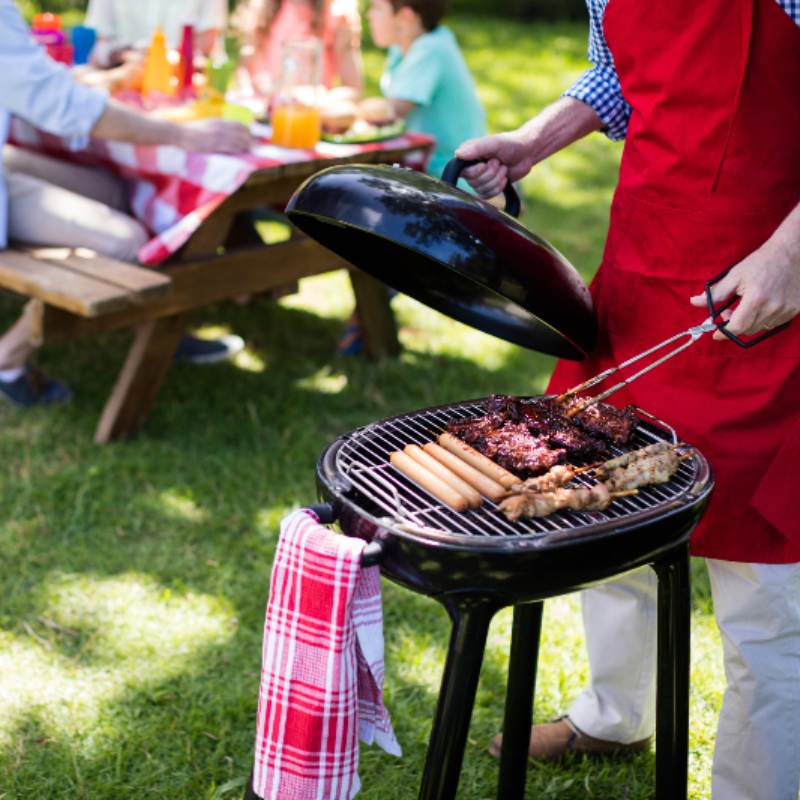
(757,608)
(55,203)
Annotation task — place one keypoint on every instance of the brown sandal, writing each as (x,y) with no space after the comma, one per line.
(556,740)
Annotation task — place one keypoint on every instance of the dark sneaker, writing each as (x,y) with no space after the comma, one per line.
(351,342)
(193,350)
(34,388)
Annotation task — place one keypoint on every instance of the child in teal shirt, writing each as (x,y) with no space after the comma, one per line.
(428,82)
(426,77)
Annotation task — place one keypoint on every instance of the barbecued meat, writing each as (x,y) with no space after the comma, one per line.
(539,497)
(610,422)
(529,436)
(509,444)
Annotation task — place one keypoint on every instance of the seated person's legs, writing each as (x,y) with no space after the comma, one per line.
(55,203)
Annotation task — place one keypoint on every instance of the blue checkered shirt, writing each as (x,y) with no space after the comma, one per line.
(599,86)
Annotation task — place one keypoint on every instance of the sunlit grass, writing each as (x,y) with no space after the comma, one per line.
(133,577)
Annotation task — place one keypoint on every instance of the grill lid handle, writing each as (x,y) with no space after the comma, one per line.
(452,169)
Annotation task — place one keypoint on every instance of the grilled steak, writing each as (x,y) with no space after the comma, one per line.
(528,437)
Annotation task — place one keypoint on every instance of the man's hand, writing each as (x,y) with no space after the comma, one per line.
(215,136)
(506,157)
(767,281)
(510,156)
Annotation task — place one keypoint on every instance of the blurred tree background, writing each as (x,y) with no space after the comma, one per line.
(519,9)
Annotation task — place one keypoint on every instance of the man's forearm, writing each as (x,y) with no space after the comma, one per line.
(787,236)
(120,123)
(558,125)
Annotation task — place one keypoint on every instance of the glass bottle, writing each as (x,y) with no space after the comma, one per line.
(295,107)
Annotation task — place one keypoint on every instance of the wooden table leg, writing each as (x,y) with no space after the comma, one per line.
(145,368)
(378,325)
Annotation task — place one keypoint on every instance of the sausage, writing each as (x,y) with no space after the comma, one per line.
(474,477)
(478,460)
(428,481)
(437,468)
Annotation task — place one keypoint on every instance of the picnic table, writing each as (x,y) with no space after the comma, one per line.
(199,208)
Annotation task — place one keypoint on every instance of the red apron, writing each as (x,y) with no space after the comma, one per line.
(711,167)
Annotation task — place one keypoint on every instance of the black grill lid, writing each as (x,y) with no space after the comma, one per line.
(452,251)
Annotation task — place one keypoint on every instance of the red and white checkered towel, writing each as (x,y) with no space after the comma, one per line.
(322,667)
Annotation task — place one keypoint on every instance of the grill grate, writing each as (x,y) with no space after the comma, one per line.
(364,460)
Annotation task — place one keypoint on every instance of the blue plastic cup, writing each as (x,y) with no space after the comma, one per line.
(83,39)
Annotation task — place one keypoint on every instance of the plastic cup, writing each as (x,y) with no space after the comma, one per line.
(83,40)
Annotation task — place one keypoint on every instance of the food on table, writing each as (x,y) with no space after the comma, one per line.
(428,481)
(339,116)
(337,93)
(439,469)
(377,111)
(617,477)
(478,460)
(474,477)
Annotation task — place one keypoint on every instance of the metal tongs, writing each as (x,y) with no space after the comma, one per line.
(712,323)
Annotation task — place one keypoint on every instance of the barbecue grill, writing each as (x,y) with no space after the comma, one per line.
(473,262)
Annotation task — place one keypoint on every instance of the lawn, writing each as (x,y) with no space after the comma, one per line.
(135,575)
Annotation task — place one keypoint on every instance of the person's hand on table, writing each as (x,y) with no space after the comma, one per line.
(215,136)
(767,281)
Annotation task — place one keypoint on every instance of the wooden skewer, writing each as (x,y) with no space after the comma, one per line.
(478,460)
(439,469)
(474,477)
(428,481)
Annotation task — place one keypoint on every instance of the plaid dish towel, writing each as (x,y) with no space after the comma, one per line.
(322,667)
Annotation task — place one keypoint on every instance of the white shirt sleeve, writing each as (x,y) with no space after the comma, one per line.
(214,15)
(36,88)
(100,16)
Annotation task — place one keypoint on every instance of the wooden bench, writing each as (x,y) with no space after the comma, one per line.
(75,293)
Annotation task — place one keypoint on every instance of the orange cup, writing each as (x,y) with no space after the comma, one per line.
(295,125)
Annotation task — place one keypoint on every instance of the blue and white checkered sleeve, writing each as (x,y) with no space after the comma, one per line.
(599,86)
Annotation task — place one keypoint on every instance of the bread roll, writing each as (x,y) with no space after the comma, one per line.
(338,117)
(377,111)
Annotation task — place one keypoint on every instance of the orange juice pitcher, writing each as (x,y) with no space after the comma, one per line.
(295,109)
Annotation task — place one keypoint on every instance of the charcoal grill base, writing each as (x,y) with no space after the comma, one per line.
(476,563)
(471,613)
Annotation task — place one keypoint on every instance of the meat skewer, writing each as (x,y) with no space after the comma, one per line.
(622,475)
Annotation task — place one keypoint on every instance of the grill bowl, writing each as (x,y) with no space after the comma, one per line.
(434,550)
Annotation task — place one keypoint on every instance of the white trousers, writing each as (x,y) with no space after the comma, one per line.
(757,608)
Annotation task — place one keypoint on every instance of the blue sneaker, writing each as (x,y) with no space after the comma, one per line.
(34,388)
(194,350)
(351,342)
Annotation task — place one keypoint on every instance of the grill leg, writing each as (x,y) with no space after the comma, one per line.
(519,700)
(672,692)
(249,794)
(456,699)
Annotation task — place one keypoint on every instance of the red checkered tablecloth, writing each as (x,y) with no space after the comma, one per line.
(173,191)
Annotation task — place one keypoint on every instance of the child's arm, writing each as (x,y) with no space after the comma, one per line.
(402,108)
(347,53)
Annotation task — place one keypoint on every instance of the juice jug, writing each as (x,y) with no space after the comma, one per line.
(295,107)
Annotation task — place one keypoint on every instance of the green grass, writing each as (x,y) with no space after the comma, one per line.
(134,576)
